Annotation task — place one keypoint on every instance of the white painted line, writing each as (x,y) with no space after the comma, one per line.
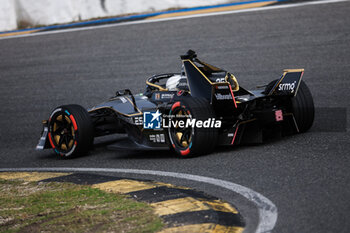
(178,18)
(267,210)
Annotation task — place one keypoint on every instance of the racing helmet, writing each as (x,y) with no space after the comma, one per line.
(172,82)
(177,82)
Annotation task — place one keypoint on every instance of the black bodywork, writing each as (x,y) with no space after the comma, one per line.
(246,115)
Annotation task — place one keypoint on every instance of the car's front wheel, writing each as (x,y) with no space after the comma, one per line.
(188,139)
(70,131)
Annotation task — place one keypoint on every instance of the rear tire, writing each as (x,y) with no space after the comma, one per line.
(70,131)
(193,141)
(303,108)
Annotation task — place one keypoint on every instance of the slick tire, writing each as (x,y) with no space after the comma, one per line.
(192,141)
(71,131)
(303,108)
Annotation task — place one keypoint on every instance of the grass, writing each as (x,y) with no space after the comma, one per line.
(62,207)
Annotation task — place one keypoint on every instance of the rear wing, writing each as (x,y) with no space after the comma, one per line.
(289,83)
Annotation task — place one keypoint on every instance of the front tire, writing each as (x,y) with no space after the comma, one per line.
(70,131)
(192,141)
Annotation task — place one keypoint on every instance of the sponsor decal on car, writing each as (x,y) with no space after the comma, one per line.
(159,138)
(167,96)
(287,86)
(219,96)
(221,87)
(159,96)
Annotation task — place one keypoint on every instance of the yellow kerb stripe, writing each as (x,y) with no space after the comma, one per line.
(205,228)
(218,205)
(187,204)
(124,186)
(218,9)
(127,186)
(30,176)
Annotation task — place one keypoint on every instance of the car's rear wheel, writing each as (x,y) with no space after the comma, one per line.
(192,141)
(303,108)
(70,131)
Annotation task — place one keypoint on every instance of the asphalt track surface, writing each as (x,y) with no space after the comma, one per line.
(306,175)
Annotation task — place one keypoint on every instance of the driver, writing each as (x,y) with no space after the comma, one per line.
(177,82)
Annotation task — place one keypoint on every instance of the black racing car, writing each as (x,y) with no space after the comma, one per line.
(190,112)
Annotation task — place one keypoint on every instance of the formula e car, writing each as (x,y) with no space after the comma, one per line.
(190,112)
